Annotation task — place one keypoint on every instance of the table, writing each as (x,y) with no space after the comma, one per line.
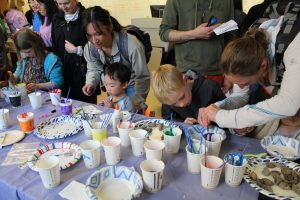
(178,183)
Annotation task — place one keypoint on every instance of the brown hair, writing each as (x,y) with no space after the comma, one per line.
(245,55)
(166,80)
(26,39)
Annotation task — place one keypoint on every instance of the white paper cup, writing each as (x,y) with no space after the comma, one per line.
(194,158)
(4,119)
(5,92)
(123,129)
(152,171)
(154,149)
(48,168)
(234,174)
(35,100)
(210,175)
(172,142)
(91,153)
(22,89)
(112,146)
(137,139)
(55,95)
(87,127)
(214,146)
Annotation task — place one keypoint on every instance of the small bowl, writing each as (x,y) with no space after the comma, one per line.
(281,147)
(114,182)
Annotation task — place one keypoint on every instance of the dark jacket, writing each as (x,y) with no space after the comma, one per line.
(74,69)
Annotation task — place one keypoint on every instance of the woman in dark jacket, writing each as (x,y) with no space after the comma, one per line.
(68,41)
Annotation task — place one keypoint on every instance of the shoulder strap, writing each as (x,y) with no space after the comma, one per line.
(123,45)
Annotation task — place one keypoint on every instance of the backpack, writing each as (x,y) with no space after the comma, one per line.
(288,31)
(141,35)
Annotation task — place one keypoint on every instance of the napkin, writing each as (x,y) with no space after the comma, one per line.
(88,110)
(226,27)
(74,191)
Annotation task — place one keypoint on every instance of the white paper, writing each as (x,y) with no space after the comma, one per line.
(226,27)
(74,191)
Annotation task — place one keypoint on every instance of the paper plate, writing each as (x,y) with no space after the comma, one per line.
(68,154)
(155,127)
(281,146)
(59,127)
(12,137)
(114,183)
(197,131)
(256,164)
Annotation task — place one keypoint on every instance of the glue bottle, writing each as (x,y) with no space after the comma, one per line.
(116,118)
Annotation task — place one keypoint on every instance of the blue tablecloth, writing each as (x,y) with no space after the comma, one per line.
(178,183)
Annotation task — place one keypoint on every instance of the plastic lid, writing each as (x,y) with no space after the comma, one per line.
(117,107)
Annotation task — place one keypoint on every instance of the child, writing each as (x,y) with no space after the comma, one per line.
(116,79)
(182,96)
(37,68)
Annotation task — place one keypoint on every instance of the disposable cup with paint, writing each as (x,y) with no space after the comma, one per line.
(98,131)
(112,149)
(87,127)
(15,98)
(26,121)
(55,95)
(49,170)
(91,153)
(154,149)
(35,100)
(22,89)
(4,119)
(194,157)
(234,171)
(152,171)
(172,141)
(5,91)
(66,106)
(123,129)
(213,143)
(211,169)
(137,140)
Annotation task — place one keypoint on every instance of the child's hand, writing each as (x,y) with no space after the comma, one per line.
(32,87)
(101,102)
(190,120)
(108,103)
(244,131)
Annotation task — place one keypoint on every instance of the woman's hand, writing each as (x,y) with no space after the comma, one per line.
(190,120)
(70,48)
(207,115)
(32,87)
(88,89)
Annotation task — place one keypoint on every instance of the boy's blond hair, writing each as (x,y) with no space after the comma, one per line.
(165,81)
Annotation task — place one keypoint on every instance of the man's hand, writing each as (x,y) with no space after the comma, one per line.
(203,31)
(207,115)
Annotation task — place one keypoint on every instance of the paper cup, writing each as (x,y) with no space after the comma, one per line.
(35,100)
(234,174)
(214,146)
(55,95)
(98,133)
(15,99)
(211,173)
(194,157)
(91,153)
(66,106)
(137,139)
(87,127)
(172,142)
(154,149)
(26,121)
(4,119)
(48,168)
(112,146)
(152,171)
(123,129)
(5,92)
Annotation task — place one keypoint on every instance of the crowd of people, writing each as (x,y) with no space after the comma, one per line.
(222,79)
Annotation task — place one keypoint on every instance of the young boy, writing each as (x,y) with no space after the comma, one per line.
(116,79)
(183,97)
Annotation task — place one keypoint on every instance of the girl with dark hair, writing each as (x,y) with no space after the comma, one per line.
(33,16)
(245,62)
(106,42)
(36,67)
(47,8)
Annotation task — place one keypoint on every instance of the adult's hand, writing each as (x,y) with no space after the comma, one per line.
(32,86)
(207,115)
(70,48)
(203,31)
(88,89)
